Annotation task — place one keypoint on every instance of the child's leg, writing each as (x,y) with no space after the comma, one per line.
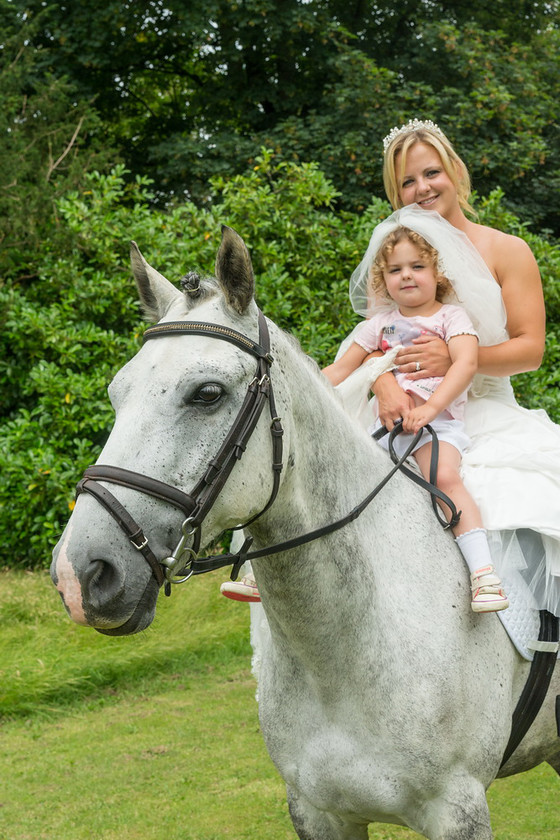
(487,592)
(449,481)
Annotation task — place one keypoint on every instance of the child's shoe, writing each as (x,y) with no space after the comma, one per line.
(487,592)
(241,590)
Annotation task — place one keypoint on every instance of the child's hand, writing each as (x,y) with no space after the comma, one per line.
(418,417)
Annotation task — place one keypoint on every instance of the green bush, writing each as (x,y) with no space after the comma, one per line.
(64,336)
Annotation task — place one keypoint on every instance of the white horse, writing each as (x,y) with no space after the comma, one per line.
(382,696)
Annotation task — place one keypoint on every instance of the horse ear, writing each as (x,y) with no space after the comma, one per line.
(235,271)
(156,293)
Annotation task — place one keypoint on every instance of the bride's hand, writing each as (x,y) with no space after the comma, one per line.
(393,403)
(428,356)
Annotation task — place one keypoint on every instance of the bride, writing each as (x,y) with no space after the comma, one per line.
(512,468)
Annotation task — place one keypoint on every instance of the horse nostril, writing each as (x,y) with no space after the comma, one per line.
(103,582)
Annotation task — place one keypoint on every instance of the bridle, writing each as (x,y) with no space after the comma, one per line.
(196,505)
(184,561)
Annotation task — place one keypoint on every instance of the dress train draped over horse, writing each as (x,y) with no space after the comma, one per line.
(512,468)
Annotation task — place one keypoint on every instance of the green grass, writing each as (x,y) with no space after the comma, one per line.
(156,737)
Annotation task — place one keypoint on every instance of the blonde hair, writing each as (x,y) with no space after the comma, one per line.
(376,282)
(451,162)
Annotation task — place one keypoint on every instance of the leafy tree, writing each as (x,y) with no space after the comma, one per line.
(499,103)
(496,103)
(191,92)
(47,141)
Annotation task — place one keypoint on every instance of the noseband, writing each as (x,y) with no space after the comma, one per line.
(196,505)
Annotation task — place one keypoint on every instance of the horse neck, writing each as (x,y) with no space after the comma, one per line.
(330,467)
(336,603)
(330,459)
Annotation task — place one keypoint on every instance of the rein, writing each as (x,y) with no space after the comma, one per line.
(207,564)
(184,561)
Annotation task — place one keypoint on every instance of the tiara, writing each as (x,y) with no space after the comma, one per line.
(411,125)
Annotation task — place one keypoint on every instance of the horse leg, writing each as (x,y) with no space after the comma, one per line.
(312,824)
(460,813)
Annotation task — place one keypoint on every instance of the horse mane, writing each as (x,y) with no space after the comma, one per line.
(310,366)
(309,361)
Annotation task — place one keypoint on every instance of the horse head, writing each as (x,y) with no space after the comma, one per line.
(174,403)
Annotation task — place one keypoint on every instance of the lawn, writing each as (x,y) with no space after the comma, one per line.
(156,737)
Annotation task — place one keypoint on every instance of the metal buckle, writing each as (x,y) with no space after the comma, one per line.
(177,564)
(142,545)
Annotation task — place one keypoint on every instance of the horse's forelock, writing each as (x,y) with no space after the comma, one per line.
(197,289)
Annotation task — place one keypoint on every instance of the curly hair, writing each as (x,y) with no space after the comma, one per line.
(376,281)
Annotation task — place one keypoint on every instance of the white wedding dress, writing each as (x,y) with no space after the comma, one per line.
(512,468)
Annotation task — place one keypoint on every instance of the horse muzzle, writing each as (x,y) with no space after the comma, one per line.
(103,593)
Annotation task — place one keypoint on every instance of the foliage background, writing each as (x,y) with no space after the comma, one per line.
(159,121)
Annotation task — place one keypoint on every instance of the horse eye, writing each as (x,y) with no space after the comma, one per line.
(208,394)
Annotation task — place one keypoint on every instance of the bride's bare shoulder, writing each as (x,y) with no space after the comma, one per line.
(500,251)
(491,236)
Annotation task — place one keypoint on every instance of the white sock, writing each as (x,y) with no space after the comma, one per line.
(474,548)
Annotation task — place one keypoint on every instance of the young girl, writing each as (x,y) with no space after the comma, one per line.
(405,272)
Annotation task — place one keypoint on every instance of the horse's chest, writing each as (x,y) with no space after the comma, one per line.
(337,769)
(337,759)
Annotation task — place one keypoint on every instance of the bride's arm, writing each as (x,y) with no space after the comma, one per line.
(519,277)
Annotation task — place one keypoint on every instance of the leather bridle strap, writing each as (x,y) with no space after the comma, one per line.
(197,504)
(207,564)
(258,393)
(212,482)
(216,331)
(124,520)
(137,481)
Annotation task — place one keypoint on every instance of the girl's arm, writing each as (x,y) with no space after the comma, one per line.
(392,402)
(463,351)
(346,365)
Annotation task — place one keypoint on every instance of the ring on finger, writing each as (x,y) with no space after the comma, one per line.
(417,366)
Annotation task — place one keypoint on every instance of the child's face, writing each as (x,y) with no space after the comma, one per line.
(410,279)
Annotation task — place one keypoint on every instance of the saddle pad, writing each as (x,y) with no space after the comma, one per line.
(521,622)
